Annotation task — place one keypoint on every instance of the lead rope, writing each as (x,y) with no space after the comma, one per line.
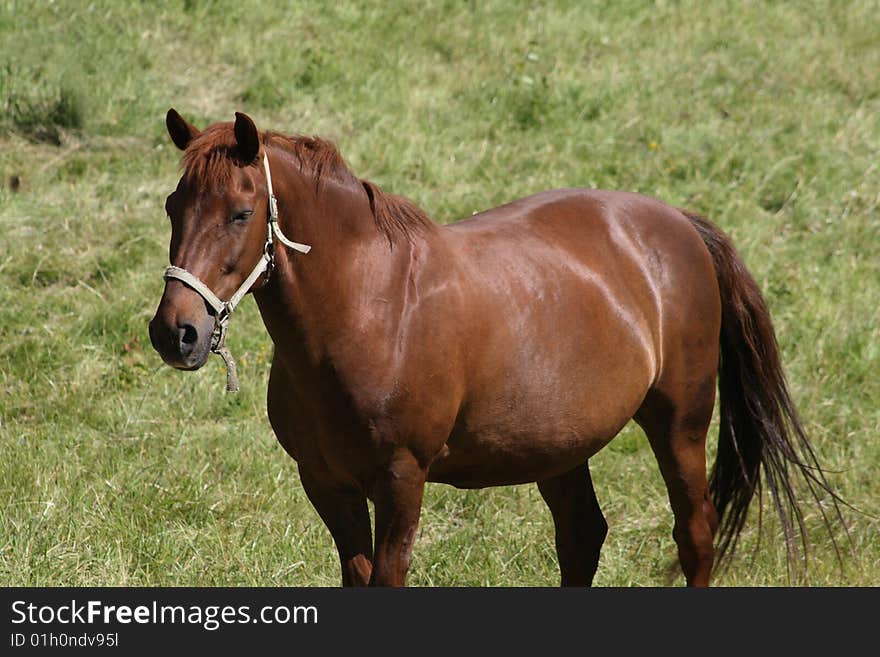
(223,351)
(223,309)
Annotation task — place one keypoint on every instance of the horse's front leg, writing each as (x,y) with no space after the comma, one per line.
(397,495)
(345,513)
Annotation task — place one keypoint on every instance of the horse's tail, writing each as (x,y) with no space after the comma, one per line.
(759,426)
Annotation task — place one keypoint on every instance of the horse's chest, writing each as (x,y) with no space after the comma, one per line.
(322,437)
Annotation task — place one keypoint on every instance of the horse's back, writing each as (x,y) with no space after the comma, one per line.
(638,253)
(629,243)
(548,214)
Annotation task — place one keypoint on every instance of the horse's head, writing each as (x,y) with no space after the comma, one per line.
(218,233)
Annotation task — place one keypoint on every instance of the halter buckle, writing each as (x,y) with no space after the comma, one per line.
(269,252)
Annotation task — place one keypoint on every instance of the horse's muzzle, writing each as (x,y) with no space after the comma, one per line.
(182,340)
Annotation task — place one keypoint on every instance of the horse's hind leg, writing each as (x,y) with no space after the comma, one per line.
(676,420)
(580,525)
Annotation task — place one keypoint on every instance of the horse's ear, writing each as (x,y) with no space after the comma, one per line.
(181,132)
(247,137)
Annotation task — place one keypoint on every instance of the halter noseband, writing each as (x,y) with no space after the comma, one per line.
(223,309)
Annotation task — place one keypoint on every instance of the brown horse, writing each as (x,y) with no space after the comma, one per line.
(506,348)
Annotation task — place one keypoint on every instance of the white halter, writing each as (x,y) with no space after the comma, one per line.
(223,309)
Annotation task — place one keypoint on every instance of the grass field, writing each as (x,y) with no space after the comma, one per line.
(117,470)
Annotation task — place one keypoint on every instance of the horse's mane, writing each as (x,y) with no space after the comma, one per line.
(213,153)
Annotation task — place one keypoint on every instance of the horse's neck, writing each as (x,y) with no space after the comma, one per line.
(350,282)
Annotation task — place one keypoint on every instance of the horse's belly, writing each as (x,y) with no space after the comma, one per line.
(498,461)
(526,445)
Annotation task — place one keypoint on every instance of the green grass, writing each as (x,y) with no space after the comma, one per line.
(115,469)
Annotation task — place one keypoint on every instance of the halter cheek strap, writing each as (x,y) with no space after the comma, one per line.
(223,309)
(273,216)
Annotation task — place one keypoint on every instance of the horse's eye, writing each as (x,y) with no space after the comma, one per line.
(244,215)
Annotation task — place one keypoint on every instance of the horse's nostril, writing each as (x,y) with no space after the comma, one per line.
(188,334)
